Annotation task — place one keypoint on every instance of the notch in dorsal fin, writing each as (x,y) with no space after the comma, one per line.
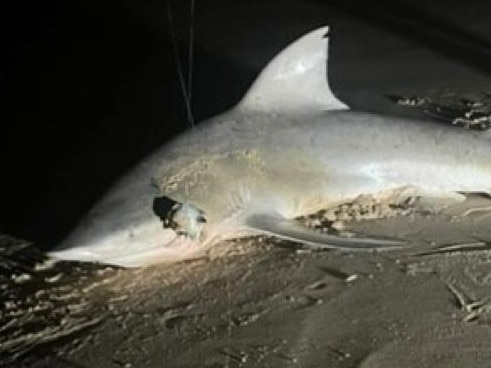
(296,79)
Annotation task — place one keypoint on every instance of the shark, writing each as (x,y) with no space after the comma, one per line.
(289,148)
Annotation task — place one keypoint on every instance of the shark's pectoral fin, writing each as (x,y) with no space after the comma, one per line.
(292,230)
(472,195)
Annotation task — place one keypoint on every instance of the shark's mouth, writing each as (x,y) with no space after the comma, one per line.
(184,218)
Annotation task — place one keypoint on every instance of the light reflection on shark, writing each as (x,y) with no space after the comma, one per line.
(288,149)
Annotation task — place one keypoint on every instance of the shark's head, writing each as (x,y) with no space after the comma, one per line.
(132,226)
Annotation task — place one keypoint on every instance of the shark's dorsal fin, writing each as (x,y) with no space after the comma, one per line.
(296,79)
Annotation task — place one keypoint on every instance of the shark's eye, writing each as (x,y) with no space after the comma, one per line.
(162,206)
(184,218)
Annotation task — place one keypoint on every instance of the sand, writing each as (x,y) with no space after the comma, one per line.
(258,302)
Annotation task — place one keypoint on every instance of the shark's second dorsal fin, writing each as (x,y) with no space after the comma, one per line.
(296,79)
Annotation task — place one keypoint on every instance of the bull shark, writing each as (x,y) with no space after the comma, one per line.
(289,148)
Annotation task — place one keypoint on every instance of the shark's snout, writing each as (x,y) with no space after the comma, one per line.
(134,236)
(147,243)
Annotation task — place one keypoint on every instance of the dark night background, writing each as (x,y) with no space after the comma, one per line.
(89,87)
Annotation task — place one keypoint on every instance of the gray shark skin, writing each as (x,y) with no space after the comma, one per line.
(289,148)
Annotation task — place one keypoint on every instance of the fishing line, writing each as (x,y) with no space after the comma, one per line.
(191,52)
(186,93)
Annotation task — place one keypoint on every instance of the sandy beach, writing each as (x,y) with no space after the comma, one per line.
(261,302)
